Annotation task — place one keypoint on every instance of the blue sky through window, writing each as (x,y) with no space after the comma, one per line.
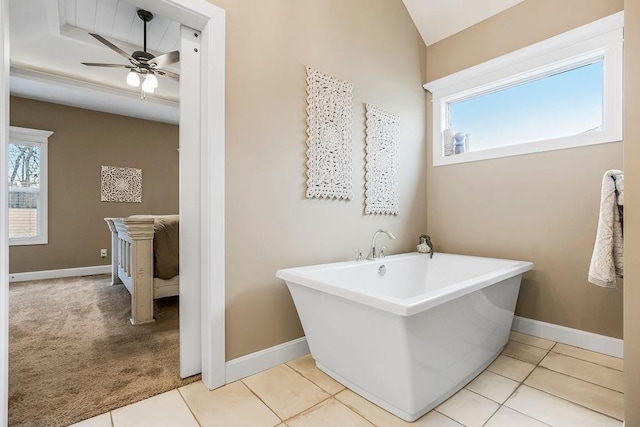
(563,104)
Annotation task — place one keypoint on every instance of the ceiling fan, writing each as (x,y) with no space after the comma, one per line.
(143,64)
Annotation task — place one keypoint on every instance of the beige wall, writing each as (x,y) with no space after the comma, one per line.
(632,207)
(269,223)
(538,207)
(82,141)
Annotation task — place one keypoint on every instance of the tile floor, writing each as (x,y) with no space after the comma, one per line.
(535,382)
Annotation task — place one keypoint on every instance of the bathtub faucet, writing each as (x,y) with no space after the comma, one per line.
(372,252)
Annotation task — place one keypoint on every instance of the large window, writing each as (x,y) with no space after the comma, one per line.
(27,175)
(563,92)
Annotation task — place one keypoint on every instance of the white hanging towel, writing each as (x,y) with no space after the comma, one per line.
(607,259)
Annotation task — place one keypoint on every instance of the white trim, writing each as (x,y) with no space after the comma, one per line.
(265,359)
(28,135)
(575,337)
(486,71)
(210,20)
(190,204)
(597,40)
(4,220)
(213,200)
(56,274)
(39,138)
(42,86)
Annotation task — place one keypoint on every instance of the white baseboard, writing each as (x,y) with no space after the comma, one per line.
(268,358)
(575,337)
(264,359)
(55,274)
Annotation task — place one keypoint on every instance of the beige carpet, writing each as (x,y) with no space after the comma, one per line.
(73,353)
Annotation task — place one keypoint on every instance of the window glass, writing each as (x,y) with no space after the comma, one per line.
(24,191)
(562,92)
(563,104)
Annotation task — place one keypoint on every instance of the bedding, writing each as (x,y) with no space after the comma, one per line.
(166,246)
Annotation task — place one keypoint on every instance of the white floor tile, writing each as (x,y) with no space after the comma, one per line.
(584,370)
(103,420)
(509,367)
(306,366)
(507,417)
(329,413)
(590,356)
(592,396)
(493,386)
(228,406)
(524,352)
(380,417)
(531,340)
(436,419)
(468,408)
(164,410)
(285,391)
(556,411)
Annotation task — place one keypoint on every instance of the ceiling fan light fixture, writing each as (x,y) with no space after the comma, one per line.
(133,79)
(153,79)
(144,65)
(150,83)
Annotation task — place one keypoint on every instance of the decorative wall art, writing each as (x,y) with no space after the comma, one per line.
(382,188)
(121,184)
(329,120)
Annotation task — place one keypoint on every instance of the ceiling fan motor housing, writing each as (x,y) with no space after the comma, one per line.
(141,56)
(145,15)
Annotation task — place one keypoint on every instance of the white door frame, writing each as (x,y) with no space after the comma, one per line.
(190,204)
(210,21)
(4,222)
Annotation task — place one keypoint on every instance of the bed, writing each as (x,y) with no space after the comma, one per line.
(145,258)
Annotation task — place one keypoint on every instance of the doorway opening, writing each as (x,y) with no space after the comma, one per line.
(205,101)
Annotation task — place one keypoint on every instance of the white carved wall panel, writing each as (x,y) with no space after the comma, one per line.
(329,134)
(382,187)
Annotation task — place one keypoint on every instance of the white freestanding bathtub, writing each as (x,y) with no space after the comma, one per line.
(409,338)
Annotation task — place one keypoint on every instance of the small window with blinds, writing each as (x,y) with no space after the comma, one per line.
(27,176)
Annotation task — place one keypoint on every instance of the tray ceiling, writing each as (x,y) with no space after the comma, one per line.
(117,20)
(51,38)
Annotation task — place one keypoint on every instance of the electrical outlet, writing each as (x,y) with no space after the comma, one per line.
(103,253)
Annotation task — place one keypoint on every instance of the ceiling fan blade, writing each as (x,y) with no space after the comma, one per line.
(172,76)
(165,59)
(97,64)
(114,47)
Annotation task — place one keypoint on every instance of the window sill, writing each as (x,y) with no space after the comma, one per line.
(529,148)
(26,242)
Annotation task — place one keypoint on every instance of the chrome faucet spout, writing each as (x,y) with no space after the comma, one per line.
(372,252)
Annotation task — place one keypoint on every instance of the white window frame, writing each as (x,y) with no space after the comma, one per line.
(40,138)
(601,39)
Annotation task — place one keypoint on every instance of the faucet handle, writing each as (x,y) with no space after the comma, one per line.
(382,252)
(359,252)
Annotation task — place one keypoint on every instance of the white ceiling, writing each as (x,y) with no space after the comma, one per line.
(439,19)
(49,40)
(116,20)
